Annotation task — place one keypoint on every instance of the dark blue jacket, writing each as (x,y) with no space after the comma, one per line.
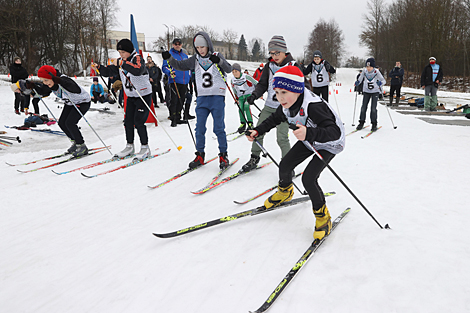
(182,77)
(397,71)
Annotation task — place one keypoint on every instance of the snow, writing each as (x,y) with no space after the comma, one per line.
(72,244)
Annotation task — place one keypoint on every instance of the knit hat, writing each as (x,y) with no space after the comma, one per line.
(317,53)
(277,43)
(125,45)
(44,71)
(95,79)
(15,86)
(370,62)
(236,66)
(289,78)
(200,41)
(261,65)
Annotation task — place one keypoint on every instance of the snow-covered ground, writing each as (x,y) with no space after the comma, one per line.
(72,244)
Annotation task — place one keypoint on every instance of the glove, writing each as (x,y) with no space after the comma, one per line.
(357,83)
(55,79)
(250,132)
(251,99)
(166,55)
(327,67)
(379,83)
(29,85)
(214,59)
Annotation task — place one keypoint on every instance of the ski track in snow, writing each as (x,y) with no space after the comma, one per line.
(71,244)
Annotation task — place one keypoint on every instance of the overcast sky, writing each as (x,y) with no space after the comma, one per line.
(293,19)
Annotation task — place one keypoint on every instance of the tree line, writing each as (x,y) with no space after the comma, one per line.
(64,33)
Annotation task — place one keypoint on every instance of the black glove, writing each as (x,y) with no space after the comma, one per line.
(166,55)
(214,59)
(54,78)
(327,67)
(29,85)
(251,99)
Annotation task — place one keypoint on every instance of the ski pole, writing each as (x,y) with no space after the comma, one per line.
(179,100)
(78,110)
(354,112)
(309,145)
(46,106)
(388,110)
(129,81)
(114,98)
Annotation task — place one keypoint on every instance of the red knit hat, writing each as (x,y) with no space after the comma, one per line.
(45,70)
(289,78)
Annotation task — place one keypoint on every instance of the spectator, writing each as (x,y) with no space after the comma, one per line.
(18,72)
(257,73)
(359,87)
(178,81)
(430,80)
(396,74)
(155,74)
(97,91)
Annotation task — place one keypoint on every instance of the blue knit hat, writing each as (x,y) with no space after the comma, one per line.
(370,62)
(289,78)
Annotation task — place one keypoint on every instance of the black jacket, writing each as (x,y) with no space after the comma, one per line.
(18,72)
(328,67)
(426,76)
(397,71)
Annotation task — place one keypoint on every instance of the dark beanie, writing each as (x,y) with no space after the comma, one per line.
(317,53)
(370,62)
(125,45)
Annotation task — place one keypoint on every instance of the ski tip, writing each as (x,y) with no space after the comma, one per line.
(9,164)
(88,176)
(56,172)
(158,235)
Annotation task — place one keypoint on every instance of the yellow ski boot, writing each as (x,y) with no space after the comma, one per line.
(282,194)
(322,223)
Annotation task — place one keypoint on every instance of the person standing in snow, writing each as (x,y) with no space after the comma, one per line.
(320,70)
(17,72)
(257,73)
(242,91)
(36,90)
(396,74)
(74,94)
(136,83)
(373,82)
(318,126)
(431,78)
(209,66)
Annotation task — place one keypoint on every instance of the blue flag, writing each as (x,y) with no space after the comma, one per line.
(134,35)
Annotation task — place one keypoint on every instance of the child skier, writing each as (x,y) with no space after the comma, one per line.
(209,67)
(136,83)
(69,117)
(373,82)
(242,91)
(279,57)
(36,90)
(320,70)
(318,126)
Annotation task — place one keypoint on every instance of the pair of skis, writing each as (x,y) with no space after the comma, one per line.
(365,136)
(260,210)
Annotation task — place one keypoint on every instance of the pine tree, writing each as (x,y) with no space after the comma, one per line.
(255,52)
(242,49)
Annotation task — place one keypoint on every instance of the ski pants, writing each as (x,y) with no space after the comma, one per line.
(69,118)
(373,107)
(136,116)
(177,99)
(430,97)
(214,105)
(321,91)
(294,157)
(394,88)
(244,112)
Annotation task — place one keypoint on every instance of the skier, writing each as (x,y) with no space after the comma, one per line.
(320,70)
(318,126)
(279,57)
(242,91)
(69,117)
(373,82)
(136,83)
(430,80)
(210,93)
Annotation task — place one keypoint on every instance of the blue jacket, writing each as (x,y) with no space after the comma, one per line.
(97,88)
(182,77)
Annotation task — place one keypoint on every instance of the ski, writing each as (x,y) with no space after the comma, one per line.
(61,162)
(298,266)
(236,137)
(53,157)
(134,162)
(232,133)
(226,179)
(186,171)
(220,173)
(356,130)
(370,133)
(233,217)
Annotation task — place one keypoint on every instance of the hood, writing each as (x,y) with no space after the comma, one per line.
(209,42)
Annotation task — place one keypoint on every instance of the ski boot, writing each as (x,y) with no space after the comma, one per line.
(241,129)
(80,151)
(198,161)
(251,164)
(17,112)
(72,148)
(128,150)
(282,194)
(374,127)
(143,153)
(250,125)
(322,223)
(223,160)
(360,125)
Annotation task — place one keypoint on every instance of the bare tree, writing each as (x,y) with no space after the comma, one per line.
(328,38)
(230,37)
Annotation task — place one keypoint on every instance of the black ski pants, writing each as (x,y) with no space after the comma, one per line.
(177,101)
(136,116)
(69,118)
(321,91)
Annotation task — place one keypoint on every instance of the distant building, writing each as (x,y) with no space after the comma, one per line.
(115,35)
